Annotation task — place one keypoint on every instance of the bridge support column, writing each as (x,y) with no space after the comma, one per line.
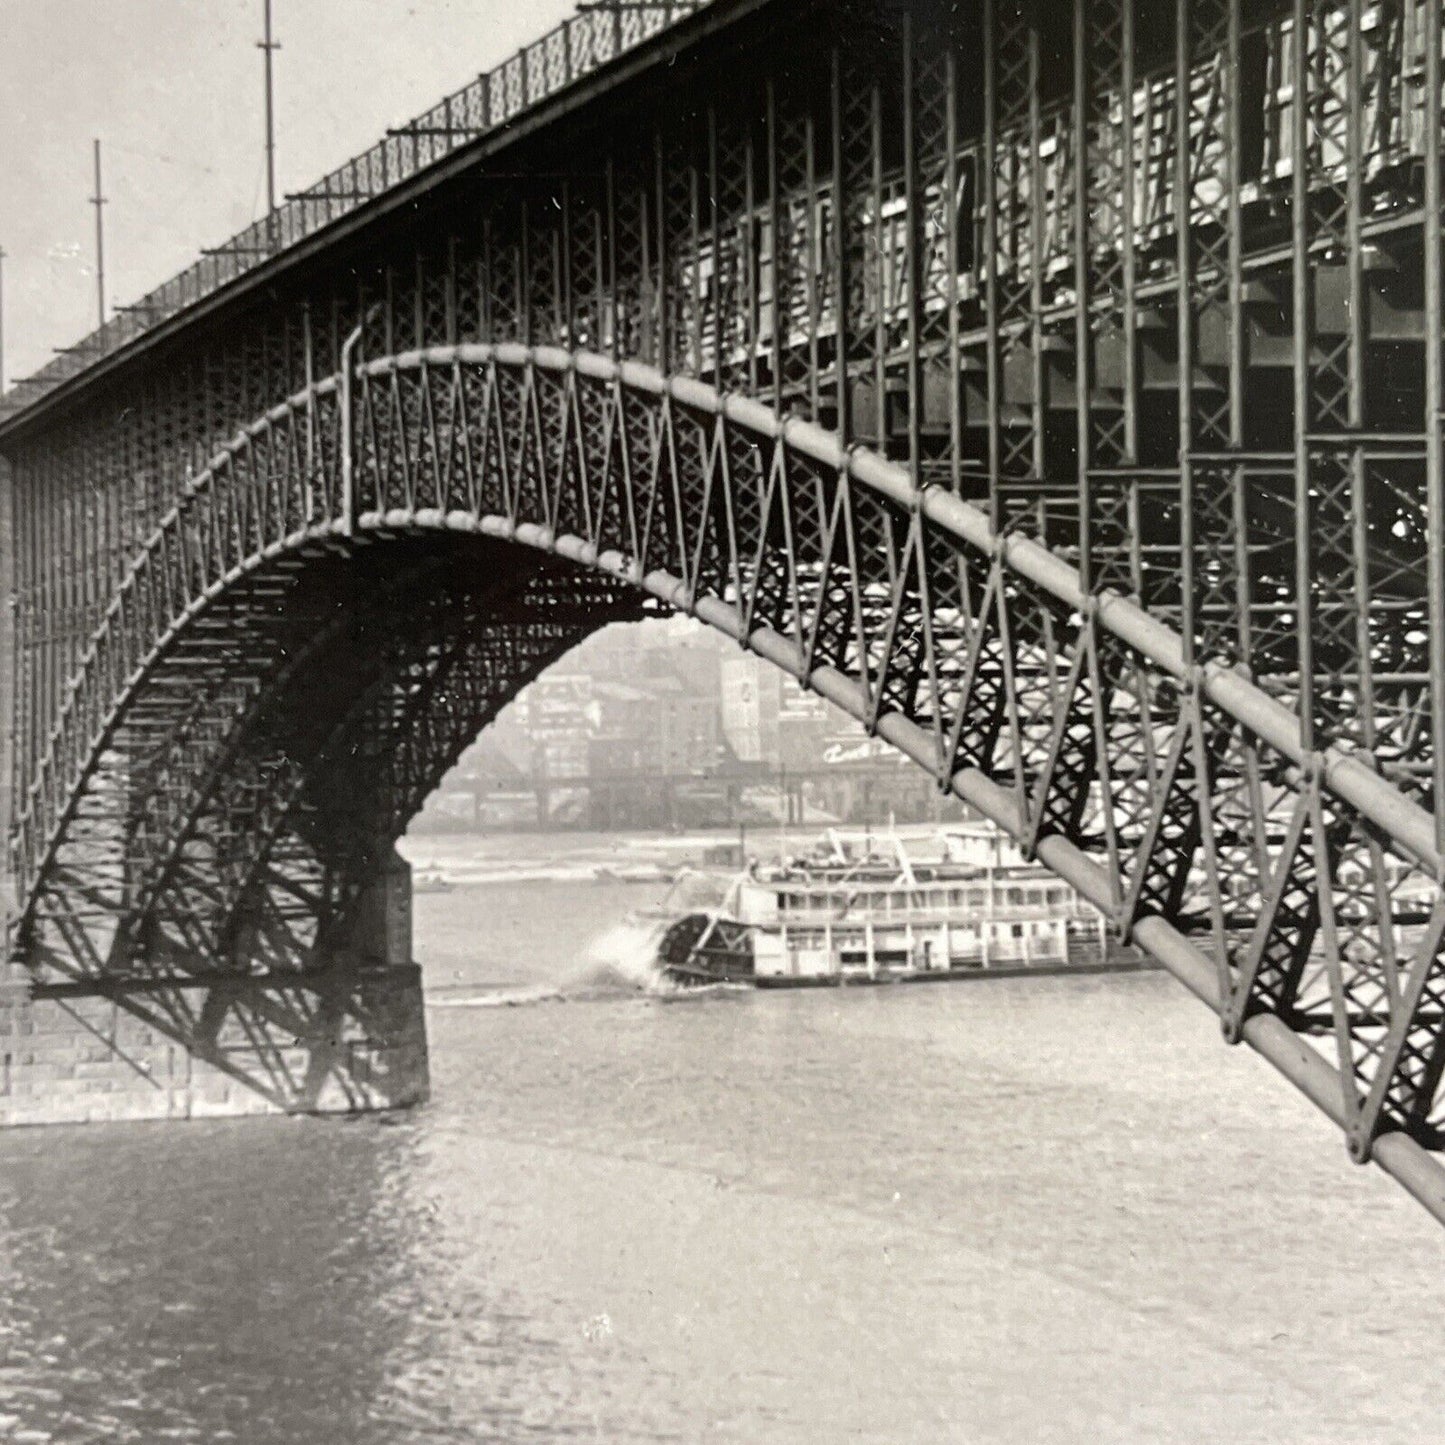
(381,926)
(346,1036)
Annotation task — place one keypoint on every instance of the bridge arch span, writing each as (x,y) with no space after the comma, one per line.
(478,488)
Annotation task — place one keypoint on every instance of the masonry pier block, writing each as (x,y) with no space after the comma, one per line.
(346,1034)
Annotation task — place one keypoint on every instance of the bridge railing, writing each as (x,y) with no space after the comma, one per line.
(597,34)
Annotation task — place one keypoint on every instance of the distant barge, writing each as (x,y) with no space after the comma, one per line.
(890,907)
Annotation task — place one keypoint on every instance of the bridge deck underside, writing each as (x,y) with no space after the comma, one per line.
(266,755)
(1073,301)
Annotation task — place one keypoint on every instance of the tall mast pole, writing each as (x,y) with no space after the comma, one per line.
(267,46)
(2,321)
(98,200)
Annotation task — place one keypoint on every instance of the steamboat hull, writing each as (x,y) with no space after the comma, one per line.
(1132,963)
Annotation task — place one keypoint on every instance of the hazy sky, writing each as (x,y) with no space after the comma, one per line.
(173,88)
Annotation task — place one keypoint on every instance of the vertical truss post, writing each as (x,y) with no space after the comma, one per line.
(1333,586)
(775,235)
(715,242)
(597,264)
(308,506)
(1300,288)
(614,299)
(662,311)
(23,520)
(952,252)
(752,305)
(1038,230)
(797,268)
(1184,318)
(564,241)
(697,299)
(991,266)
(486,281)
(45,603)
(839,258)
(523,254)
(388,314)
(1209,309)
(914,222)
(1106,323)
(1128,281)
(856,235)
(1361,719)
(934,254)
(1434,451)
(1234,320)
(1354,137)
(1083,288)
(880,303)
(1014,208)
(813,270)
(348,427)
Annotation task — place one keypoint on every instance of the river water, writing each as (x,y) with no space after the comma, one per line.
(1008,1211)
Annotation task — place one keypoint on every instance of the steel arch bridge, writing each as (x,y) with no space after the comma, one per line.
(1056,388)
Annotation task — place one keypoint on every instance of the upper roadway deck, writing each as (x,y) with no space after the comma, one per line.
(566,64)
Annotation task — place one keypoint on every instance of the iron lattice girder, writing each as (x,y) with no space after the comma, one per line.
(316,754)
(1072,720)
(947,242)
(393,620)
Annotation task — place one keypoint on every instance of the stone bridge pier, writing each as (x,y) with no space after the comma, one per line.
(345,1035)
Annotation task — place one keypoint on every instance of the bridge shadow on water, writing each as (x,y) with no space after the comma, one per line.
(187,1284)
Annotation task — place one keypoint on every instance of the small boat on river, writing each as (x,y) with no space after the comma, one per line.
(883,907)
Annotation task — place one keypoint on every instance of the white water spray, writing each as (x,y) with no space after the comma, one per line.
(626,952)
(623,954)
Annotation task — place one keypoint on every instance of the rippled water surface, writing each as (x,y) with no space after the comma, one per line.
(1055,1210)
